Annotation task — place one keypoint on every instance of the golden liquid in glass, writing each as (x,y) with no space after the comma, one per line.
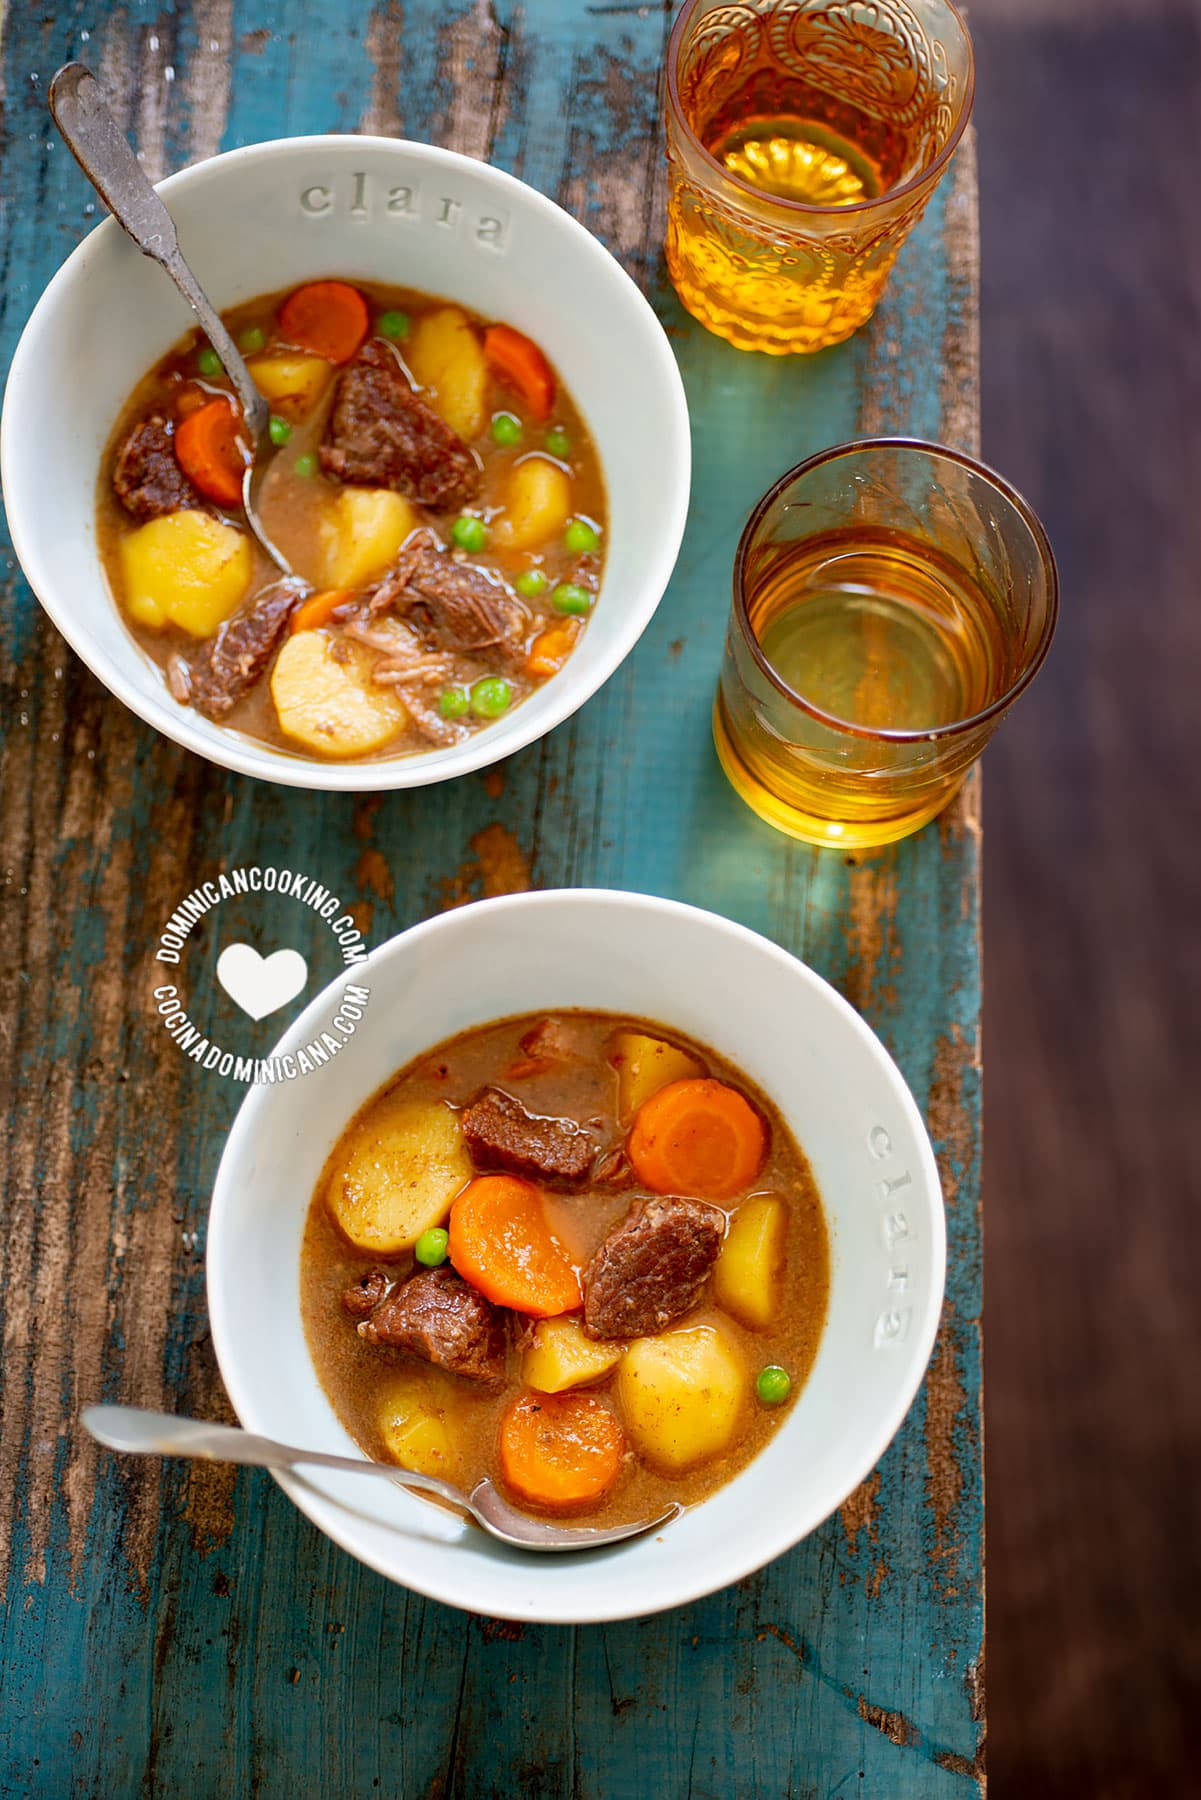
(880,635)
(794,285)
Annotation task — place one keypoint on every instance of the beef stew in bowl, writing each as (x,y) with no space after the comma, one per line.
(433,481)
(109,315)
(795,1051)
(576,1253)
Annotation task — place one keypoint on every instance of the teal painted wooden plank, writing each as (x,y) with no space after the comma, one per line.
(192,1633)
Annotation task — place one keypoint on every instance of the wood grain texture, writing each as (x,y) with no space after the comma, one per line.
(168,1631)
(1092,404)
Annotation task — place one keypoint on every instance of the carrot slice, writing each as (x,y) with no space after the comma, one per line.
(208,448)
(559,1450)
(550,650)
(519,362)
(317,608)
(697,1137)
(501,1243)
(330,318)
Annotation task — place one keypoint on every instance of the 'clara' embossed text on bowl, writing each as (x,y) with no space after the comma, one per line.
(270,216)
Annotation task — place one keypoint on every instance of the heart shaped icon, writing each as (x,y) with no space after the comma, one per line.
(261,984)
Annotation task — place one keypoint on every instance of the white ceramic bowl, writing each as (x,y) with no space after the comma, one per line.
(276,214)
(794,1036)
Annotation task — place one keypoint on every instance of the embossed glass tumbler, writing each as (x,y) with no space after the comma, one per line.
(891,601)
(804,139)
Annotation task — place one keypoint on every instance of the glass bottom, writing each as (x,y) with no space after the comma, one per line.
(807,318)
(811,828)
(768,339)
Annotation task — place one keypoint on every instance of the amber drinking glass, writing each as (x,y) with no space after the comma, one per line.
(804,138)
(891,601)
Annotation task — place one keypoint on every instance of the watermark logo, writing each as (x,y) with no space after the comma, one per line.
(260,984)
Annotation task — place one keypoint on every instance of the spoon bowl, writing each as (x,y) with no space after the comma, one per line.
(136,1431)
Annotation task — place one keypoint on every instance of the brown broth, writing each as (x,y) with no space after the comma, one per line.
(292,505)
(355,1374)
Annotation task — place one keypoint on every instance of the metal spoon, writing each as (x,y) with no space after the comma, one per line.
(103,153)
(138,1432)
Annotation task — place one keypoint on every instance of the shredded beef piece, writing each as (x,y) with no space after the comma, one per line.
(457,606)
(426,718)
(613,1170)
(550,1041)
(411,670)
(651,1267)
(179,679)
(230,664)
(500,1133)
(438,1316)
(147,480)
(382,434)
(362,1299)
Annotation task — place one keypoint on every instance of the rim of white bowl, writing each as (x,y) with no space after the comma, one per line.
(329,1517)
(286,769)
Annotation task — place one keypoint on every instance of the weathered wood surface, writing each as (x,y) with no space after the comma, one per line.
(175,1631)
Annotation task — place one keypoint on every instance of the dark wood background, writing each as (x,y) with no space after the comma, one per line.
(1088,117)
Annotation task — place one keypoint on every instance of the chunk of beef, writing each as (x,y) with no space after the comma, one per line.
(384,597)
(438,1316)
(382,434)
(458,606)
(147,480)
(501,1134)
(651,1267)
(361,1299)
(231,663)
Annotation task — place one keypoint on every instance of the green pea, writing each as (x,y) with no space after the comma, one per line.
(394,325)
(572,599)
(581,537)
(279,429)
(207,361)
(506,428)
(252,339)
(558,442)
(491,697)
(453,702)
(305,464)
(773,1385)
(431,1247)
(532,582)
(468,532)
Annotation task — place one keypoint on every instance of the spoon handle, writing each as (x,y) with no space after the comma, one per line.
(104,154)
(139,1432)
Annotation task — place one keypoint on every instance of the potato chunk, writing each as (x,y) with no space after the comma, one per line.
(186,569)
(292,385)
(361,534)
(417,1417)
(406,1164)
(746,1281)
(328,702)
(682,1394)
(446,356)
(562,1357)
(537,505)
(645,1064)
